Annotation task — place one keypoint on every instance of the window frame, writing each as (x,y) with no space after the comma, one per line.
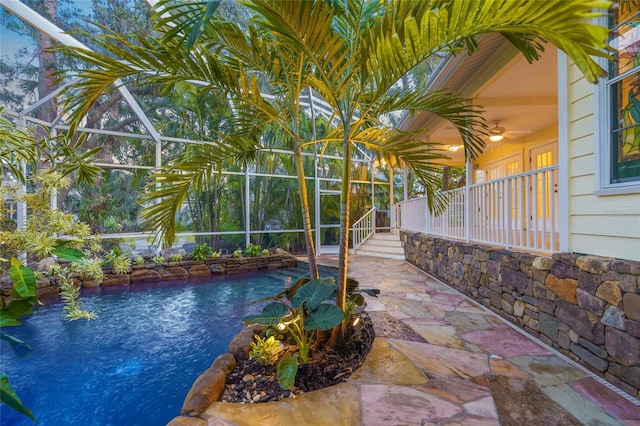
(603,113)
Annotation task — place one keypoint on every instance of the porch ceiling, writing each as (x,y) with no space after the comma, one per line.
(521,97)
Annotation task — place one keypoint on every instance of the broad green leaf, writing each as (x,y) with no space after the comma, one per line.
(271,315)
(287,370)
(8,396)
(68,253)
(325,317)
(7,320)
(19,347)
(18,307)
(313,293)
(24,280)
(357,299)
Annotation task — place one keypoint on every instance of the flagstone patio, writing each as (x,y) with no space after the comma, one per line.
(440,358)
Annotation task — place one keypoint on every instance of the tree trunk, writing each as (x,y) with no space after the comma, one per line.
(338,334)
(306,217)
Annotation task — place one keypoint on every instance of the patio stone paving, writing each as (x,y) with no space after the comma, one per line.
(439,358)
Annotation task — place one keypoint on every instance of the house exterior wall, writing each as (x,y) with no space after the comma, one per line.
(604,225)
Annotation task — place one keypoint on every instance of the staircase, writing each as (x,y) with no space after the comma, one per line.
(385,245)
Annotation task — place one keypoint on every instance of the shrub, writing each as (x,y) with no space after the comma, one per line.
(237,253)
(265,351)
(139,260)
(158,260)
(201,251)
(176,258)
(120,264)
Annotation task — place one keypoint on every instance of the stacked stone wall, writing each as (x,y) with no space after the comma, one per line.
(587,307)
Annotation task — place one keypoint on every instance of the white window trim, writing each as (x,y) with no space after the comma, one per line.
(602,138)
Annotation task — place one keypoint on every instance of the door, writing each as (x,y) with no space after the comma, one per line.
(544,188)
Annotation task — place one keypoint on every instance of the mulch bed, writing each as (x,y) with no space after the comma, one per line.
(252,382)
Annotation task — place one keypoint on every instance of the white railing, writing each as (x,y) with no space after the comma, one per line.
(363,228)
(519,211)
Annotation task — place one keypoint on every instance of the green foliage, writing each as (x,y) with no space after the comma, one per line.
(201,252)
(253,250)
(175,258)
(266,351)
(287,370)
(216,254)
(69,292)
(24,297)
(158,260)
(309,309)
(138,260)
(89,268)
(264,252)
(237,253)
(120,264)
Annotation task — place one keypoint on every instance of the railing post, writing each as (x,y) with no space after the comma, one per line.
(467,201)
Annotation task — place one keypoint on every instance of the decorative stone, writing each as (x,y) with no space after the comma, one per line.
(630,375)
(613,317)
(548,325)
(187,421)
(542,263)
(589,282)
(626,266)
(610,291)
(564,288)
(201,270)
(143,275)
(541,292)
(632,327)
(623,348)
(575,318)
(225,362)
(207,389)
(593,264)
(629,283)
(562,270)
(588,357)
(47,292)
(113,279)
(631,306)
(240,346)
(594,349)
(590,303)
(516,279)
(518,308)
(174,273)
(45,265)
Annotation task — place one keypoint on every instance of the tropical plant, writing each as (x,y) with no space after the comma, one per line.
(265,350)
(300,311)
(253,250)
(23,298)
(237,253)
(158,260)
(201,252)
(120,264)
(175,258)
(138,260)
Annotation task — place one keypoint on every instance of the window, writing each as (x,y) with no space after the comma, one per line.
(621,163)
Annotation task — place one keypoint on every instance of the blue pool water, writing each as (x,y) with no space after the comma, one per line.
(135,362)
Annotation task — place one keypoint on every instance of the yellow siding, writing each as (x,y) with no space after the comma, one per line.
(600,225)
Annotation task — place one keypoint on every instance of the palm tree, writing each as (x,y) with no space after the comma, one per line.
(353,53)
(361,49)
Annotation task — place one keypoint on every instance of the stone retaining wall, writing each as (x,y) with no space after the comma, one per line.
(151,272)
(586,307)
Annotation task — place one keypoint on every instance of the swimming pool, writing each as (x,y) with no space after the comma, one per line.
(135,362)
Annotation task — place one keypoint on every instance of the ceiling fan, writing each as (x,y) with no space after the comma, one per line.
(497,133)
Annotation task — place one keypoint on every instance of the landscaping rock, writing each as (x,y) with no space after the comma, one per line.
(201,270)
(631,306)
(610,291)
(225,362)
(206,390)
(613,317)
(174,273)
(187,421)
(47,292)
(575,318)
(623,348)
(590,303)
(564,288)
(110,280)
(143,275)
(240,346)
(594,264)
